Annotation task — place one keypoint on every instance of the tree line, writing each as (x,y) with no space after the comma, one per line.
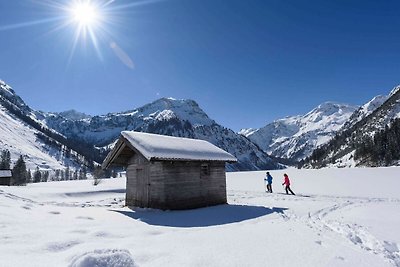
(21,175)
(381,149)
(378,149)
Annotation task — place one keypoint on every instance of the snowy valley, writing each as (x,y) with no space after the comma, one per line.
(339,217)
(152,133)
(346,217)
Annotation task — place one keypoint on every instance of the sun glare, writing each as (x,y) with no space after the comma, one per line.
(86,14)
(88,22)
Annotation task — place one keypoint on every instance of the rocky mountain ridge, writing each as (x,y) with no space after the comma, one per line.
(365,123)
(296,137)
(168,116)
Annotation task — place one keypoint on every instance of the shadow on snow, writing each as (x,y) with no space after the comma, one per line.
(86,193)
(202,217)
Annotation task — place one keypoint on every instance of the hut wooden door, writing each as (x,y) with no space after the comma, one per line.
(143,189)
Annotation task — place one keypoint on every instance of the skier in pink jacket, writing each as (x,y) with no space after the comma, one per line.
(286,182)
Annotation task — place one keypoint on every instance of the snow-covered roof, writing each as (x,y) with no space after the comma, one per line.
(5,173)
(161,147)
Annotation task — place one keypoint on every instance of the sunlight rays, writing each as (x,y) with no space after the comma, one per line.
(93,23)
(29,23)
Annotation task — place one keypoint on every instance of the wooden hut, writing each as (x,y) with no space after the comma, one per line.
(5,177)
(167,172)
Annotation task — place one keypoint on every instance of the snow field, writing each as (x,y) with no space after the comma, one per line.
(340,217)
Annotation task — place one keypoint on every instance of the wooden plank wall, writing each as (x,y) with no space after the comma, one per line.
(174,184)
(186,188)
(133,195)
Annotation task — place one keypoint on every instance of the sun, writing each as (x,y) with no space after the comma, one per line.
(89,21)
(90,24)
(86,14)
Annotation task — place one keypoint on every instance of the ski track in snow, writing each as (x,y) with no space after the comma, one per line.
(356,234)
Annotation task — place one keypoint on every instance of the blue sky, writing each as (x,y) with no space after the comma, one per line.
(246,63)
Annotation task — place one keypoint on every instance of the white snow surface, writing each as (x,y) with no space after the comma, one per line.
(155,146)
(372,105)
(339,217)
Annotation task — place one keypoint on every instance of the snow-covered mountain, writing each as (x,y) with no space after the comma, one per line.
(168,116)
(22,134)
(297,136)
(74,115)
(371,118)
(365,110)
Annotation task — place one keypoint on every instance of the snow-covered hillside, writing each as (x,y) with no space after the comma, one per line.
(297,136)
(168,116)
(20,138)
(371,118)
(340,217)
(365,110)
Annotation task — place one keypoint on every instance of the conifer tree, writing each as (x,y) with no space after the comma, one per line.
(67,174)
(19,173)
(29,176)
(37,175)
(45,176)
(5,160)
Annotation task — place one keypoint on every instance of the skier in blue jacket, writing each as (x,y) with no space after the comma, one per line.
(268,180)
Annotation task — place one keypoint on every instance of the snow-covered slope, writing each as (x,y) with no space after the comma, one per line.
(296,137)
(20,139)
(365,123)
(328,223)
(168,116)
(365,110)
(19,135)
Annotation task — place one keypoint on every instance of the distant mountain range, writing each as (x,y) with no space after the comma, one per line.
(296,137)
(168,116)
(69,138)
(92,136)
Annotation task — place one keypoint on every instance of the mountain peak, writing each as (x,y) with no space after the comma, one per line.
(296,137)
(72,114)
(184,109)
(331,105)
(5,88)
(328,109)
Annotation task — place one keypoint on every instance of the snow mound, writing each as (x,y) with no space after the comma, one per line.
(104,258)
